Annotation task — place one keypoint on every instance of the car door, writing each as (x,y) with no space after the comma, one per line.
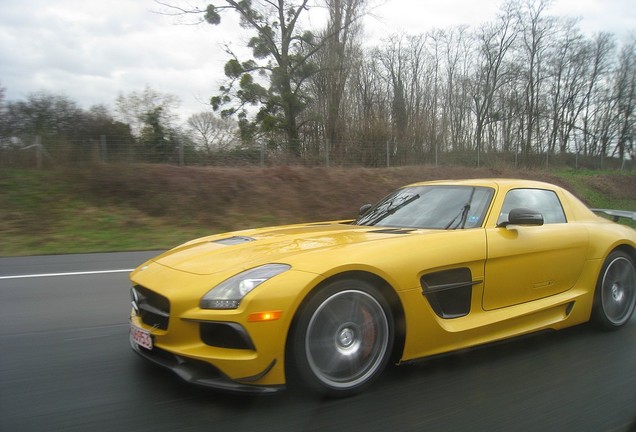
(526,263)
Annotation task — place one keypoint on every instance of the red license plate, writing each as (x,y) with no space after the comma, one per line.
(141,337)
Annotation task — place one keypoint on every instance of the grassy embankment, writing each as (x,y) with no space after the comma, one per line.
(117,208)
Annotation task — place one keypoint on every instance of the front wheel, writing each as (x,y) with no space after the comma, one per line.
(343,338)
(615,295)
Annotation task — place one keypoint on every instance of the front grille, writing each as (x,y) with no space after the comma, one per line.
(153,308)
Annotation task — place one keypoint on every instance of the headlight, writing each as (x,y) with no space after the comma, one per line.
(228,294)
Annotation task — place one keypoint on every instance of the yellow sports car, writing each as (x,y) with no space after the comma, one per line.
(434,267)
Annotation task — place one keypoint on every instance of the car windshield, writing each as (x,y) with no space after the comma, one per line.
(431,207)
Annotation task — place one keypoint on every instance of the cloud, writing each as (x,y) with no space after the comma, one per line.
(92,51)
(616,16)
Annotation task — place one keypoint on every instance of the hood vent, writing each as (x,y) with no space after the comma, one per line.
(230,241)
(393,231)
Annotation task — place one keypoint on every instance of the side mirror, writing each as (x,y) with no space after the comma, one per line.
(523,216)
(365,208)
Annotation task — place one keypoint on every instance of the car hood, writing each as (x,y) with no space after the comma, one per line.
(247,249)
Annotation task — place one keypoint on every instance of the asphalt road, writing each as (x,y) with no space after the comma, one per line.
(65,365)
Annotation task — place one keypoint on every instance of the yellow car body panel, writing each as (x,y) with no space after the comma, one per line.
(522,279)
(527,264)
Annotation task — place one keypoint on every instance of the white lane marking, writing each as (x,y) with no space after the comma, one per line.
(65,274)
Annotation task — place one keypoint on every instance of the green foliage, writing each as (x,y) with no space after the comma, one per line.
(270,118)
(251,92)
(248,13)
(68,133)
(212,16)
(247,129)
(45,114)
(215,101)
(282,58)
(233,69)
(148,108)
(155,138)
(261,45)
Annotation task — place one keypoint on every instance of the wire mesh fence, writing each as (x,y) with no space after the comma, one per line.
(41,152)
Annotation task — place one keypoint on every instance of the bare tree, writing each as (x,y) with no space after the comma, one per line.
(568,71)
(536,29)
(3,116)
(429,113)
(394,58)
(602,49)
(370,112)
(458,64)
(495,40)
(625,94)
(341,44)
(211,133)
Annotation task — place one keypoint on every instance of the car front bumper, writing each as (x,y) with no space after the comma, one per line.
(202,373)
(225,349)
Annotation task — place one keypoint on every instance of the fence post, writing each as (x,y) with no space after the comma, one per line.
(181,158)
(104,148)
(478,151)
(436,146)
(327,145)
(38,151)
(576,159)
(602,154)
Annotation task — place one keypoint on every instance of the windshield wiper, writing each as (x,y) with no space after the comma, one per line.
(463,213)
(388,212)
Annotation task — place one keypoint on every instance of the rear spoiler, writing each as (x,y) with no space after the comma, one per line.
(616,214)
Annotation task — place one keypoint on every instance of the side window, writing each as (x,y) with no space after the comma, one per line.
(541,200)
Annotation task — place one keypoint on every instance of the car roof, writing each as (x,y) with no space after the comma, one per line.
(496,183)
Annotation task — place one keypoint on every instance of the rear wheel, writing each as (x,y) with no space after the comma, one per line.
(343,338)
(615,295)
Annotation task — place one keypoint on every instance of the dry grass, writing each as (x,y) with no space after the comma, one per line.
(228,196)
(111,207)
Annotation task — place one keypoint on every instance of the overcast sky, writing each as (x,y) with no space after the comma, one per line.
(93,50)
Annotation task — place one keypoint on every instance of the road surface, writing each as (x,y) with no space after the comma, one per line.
(65,365)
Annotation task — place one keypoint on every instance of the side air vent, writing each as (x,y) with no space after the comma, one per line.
(449,292)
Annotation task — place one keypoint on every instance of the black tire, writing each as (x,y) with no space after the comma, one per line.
(342,339)
(615,295)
